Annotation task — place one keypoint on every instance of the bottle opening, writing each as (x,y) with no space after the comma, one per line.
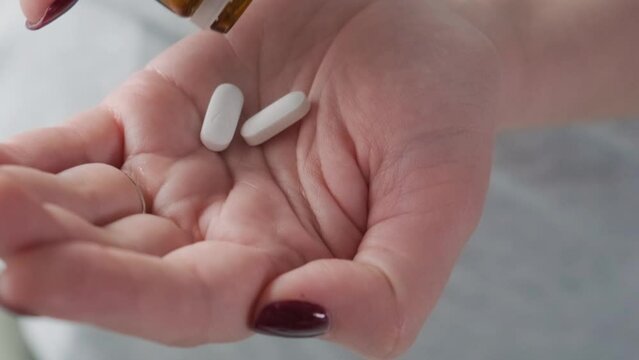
(229,15)
(185,8)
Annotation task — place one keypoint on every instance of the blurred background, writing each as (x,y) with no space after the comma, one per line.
(552,272)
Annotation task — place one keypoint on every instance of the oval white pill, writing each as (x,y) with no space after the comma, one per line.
(276,118)
(222,116)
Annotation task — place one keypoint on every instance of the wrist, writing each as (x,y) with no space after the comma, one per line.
(561,61)
(495,19)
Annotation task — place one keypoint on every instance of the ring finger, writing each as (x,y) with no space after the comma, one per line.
(98,193)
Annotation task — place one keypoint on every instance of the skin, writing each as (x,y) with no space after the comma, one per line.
(361,208)
(393,161)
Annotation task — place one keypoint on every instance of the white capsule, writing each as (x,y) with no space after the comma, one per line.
(275,118)
(222,116)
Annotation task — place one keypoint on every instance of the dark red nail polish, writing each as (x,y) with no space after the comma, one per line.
(54,11)
(292,319)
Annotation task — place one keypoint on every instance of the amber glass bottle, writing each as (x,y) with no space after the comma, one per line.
(218,15)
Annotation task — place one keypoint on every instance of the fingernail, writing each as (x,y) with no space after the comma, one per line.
(54,11)
(292,319)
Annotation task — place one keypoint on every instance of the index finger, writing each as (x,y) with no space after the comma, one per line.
(91,137)
(187,72)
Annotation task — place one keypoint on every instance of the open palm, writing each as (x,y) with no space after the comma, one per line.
(361,209)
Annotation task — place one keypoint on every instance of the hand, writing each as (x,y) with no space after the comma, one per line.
(360,210)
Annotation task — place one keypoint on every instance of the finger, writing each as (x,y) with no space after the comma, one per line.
(124,291)
(91,137)
(369,306)
(151,100)
(148,234)
(23,220)
(26,222)
(377,303)
(99,193)
(197,295)
(40,13)
(143,233)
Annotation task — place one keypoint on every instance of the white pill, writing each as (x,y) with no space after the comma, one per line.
(276,118)
(222,116)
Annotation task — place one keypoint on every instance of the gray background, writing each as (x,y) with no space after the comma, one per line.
(552,272)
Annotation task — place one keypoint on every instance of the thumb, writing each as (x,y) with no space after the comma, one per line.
(359,307)
(375,304)
(40,13)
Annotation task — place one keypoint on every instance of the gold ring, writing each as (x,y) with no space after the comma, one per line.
(139,191)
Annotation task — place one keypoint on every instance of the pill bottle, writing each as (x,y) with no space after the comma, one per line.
(218,15)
